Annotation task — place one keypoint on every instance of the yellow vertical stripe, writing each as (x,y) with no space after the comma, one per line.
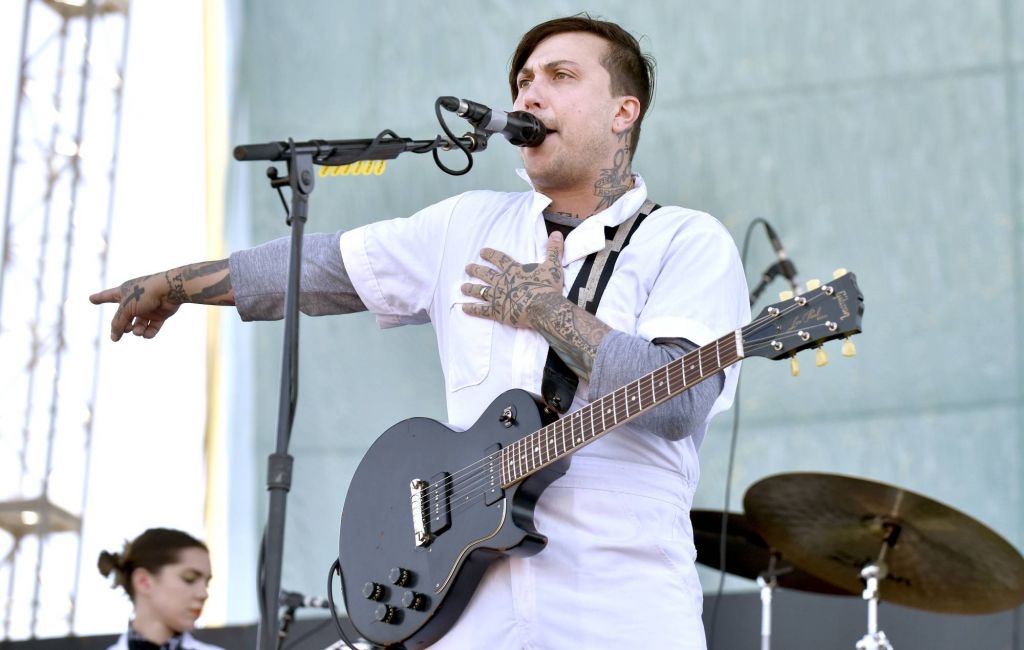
(215,119)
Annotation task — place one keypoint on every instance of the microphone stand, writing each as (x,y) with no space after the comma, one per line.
(769,275)
(300,157)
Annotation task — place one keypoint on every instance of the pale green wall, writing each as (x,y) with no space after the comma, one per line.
(883,136)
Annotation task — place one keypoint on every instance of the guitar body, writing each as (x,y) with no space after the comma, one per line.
(404,592)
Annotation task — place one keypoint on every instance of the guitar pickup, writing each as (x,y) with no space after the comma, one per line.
(440,501)
(493,493)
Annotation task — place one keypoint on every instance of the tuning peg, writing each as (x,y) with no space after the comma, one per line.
(794,366)
(849,349)
(838,273)
(786,295)
(820,358)
(813,284)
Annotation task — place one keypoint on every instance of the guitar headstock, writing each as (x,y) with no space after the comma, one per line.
(826,312)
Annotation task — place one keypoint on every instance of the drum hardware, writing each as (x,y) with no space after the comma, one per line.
(932,557)
(875,639)
(872,572)
(749,556)
(767,581)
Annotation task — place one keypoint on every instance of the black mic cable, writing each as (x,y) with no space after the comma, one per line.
(786,268)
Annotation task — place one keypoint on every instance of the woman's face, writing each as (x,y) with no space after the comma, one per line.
(175,594)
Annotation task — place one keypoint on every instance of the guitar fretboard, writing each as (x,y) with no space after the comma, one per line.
(565,435)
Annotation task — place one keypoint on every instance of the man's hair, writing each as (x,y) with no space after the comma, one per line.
(631,71)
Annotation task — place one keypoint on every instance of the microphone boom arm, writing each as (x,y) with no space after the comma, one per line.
(344,152)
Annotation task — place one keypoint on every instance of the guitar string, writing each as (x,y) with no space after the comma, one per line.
(468,492)
(470,486)
(463,494)
(569,424)
(515,450)
(519,456)
(464,482)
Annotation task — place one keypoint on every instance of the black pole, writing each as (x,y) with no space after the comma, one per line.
(766,277)
(279,465)
(301,157)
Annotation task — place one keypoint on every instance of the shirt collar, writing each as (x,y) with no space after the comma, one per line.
(136,640)
(589,236)
(622,209)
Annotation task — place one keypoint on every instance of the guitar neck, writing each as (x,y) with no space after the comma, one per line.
(565,435)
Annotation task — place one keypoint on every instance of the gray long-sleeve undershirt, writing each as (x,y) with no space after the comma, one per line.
(259,278)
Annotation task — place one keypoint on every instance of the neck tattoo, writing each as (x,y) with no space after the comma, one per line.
(617,179)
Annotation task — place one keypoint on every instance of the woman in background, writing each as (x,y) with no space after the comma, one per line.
(165,573)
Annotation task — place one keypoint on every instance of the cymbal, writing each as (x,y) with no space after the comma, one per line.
(746,554)
(941,560)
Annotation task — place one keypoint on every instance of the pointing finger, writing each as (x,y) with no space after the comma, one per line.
(107,295)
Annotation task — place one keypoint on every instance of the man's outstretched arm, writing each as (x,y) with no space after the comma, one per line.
(145,303)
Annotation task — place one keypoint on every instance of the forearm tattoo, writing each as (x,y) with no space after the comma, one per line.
(572,332)
(211,294)
(175,288)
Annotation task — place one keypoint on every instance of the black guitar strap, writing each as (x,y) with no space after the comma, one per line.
(559,384)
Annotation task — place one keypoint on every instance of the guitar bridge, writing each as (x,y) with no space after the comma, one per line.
(420,512)
(431,507)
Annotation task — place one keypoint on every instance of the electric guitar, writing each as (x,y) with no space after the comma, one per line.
(429,509)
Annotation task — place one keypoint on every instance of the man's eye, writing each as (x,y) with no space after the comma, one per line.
(523,83)
(561,75)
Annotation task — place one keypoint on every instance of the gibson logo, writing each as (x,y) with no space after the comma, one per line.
(842,299)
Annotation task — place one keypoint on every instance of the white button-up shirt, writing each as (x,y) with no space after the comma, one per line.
(679,277)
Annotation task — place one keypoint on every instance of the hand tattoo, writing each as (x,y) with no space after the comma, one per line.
(530,295)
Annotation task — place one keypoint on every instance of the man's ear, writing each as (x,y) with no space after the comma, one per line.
(626,114)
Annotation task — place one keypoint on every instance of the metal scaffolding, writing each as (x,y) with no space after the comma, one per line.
(53,251)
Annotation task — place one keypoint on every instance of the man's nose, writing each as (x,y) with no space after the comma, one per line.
(531,96)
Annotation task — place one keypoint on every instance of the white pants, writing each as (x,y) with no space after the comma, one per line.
(618,572)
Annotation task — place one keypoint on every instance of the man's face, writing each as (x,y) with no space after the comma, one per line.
(565,85)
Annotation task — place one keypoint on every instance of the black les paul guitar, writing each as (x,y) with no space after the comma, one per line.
(429,508)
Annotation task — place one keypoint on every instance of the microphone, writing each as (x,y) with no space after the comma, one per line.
(294,600)
(520,128)
(785,266)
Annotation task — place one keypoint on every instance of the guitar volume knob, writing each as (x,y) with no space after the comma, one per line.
(413,600)
(386,614)
(400,577)
(373,591)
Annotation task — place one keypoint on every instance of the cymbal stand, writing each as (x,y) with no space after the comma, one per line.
(768,581)
(767,587)
(872,573)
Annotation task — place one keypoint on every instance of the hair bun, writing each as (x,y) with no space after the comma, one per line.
(109,562)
